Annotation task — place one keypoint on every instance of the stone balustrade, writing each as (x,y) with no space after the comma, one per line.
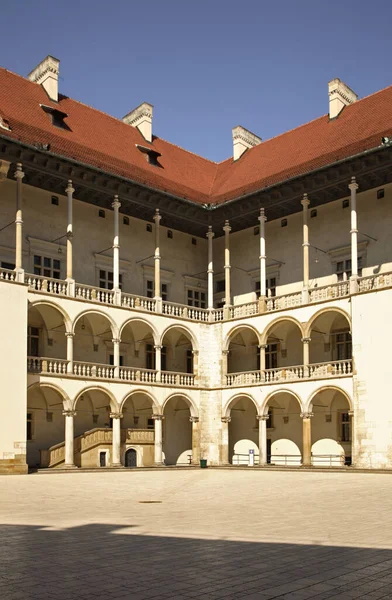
(244,310)
(139,375)
(173,309)
(338,368)
(47,285)
(7,275)
(374,282)
(46,365)
(329,292)
(138,302)
(182,379)
(283,302)
(138,436)
(94,294)
(93,370)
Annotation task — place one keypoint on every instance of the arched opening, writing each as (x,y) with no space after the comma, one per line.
(46,332)
(330,338)
(284,429)
(130,458)
(93,427)
(177,431)
(177,351)
(331,429)
(137,346)
(45,422)
(283,351)
(243,431)
(243,347)
(137,428)
(93,345)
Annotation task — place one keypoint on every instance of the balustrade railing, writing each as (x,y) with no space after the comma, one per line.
(7,275)
(244,310)
(138,302)
(136,374)
(172,378)
(217,315)
(329,292)
(46,365)
(374,282)
(338,368)
(138,436)
(94,294)
(285,301)
(185,312)
(46,284)
(93,370)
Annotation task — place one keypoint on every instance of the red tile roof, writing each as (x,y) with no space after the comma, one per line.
(102,141)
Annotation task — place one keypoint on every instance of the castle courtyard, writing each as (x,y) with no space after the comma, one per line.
(196,534)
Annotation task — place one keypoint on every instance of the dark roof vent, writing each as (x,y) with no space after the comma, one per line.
(151,155)
(57,116)
(4,124)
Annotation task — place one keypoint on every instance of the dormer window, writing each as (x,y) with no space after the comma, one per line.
(57,116)
(151,155)
(4,124)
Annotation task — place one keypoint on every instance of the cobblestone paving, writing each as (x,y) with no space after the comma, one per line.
(196,534)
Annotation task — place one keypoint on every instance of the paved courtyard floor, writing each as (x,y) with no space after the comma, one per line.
(202,534)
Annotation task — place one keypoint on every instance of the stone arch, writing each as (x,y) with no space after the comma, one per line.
(145,322)
(67,402)
(91,388)
(264,406)
(308,405)
(94,311)
(192,406)
(330,309)
(187,332)
(155,404)
(235,330)
(227,409)
(277,321)
(66,317)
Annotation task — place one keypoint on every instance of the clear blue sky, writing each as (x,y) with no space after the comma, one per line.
(206,65)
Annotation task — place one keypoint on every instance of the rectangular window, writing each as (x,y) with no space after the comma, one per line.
(196,298)
(7,265)
(150,423)
(29,432)
(46,267)
(270,422)
(270,287)
(343,268)
(271,356)
(220,286)
(32,341)
(150,357)
(343,346)
(106,280)
(111,360)
(150,290)
(189,361)
(345,427)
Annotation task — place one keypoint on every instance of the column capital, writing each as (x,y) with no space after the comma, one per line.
(262,417)
(19,174)
(227,227)
(115,341)
(305,201)
(116,202)
(157,217)
(353,184)
(69,189)
(69,334)
(307,415)
(263,346)
(226,419)
(157,417)
(195,352)
(210,234)
(69,413)
(116,415)
(306,340)
(158,347)
(350,413)
(194,419)
(262,218)
(226,352)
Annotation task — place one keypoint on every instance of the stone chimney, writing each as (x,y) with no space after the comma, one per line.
(340,95)
(47,75)
(242,140)
(141,118)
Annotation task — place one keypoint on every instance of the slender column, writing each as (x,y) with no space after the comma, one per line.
(306,439)
(195,355)
(70,339)
(225,365)
(352,431)
(69,438)
(116,439)
(210,270)
(157,264)
(225,441)
(262,257)
(158,362)
(116,357)
(71,282)
(19,174)
(262,348)
(116,251)
(305,245)
(353,186)
(195,440)
(262,419)
(305,348)
(158,440)
(227,230)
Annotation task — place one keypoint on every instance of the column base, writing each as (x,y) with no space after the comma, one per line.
(262,304)
(158,304)
(20,275)
(69,467)
(117,297)
(71,287)
(305,296)
(353,286)
(156,464)
(116,465)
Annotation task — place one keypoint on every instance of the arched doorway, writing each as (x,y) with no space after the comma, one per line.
(284,429)
(137,346)
(243,431)
(46,332)
(177,431)
(130,458)
(330,339)
(283,351)
(177,351)
(331,428)
(138,427)
(93,344)
(45,422)
(243,361)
